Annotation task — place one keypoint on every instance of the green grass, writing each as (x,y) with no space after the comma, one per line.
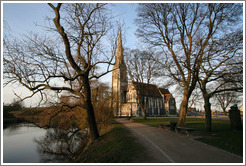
(116,146)
(221,136)
(230,141)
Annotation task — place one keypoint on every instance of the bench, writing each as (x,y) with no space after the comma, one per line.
(187,130)
(170,126)
(164,126)
(128,118)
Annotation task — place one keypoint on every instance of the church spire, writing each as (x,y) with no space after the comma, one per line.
(119,79)
(119,49)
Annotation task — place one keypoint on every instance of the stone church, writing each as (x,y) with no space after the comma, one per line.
(126,97)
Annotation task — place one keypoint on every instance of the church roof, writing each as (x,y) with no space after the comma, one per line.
(150,90)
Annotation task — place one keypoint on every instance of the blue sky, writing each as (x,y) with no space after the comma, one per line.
(22,17)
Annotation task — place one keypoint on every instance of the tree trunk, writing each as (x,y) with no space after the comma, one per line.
(94,134)
(144,114)
(224,111)
(207,107)
(144,107)
(91,121)
(183,110)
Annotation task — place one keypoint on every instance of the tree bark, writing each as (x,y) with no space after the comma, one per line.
(183,110)
(224,111)
(144,114)
(208,118)
(145,103)
(94,134)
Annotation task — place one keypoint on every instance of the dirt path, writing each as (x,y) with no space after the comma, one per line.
(168,147)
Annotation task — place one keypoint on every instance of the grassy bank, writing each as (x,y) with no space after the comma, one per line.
(221,136)
(115,146)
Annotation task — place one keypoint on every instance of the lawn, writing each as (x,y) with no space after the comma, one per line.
(221,136)
(115,146)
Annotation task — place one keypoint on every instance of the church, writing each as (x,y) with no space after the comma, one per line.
(126,96)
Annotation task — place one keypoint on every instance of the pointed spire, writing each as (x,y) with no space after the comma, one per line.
(119,38)
(119,50)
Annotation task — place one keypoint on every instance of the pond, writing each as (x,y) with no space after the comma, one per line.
(25,143)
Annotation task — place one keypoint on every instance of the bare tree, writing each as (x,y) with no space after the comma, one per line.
(67,60)
(222,69)
(225,99)
(195,98)
(184,32)
(141,69)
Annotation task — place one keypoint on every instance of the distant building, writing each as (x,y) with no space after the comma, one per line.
(125,96)
(241,110)
(191,111)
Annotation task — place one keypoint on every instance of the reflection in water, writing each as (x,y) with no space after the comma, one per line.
(18,145)
(19,128)
(60,145)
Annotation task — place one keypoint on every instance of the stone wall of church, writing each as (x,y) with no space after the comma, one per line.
(125,109)
(129,109)
(131,95)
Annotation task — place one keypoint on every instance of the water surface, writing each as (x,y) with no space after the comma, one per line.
(25,143)
(19,145)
